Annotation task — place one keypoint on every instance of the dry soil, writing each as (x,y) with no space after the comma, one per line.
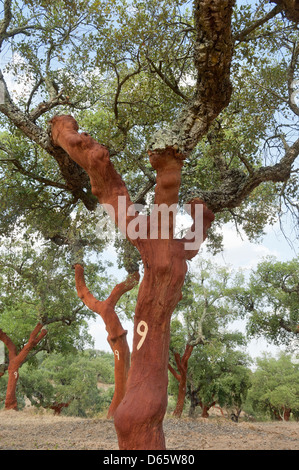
(22,430)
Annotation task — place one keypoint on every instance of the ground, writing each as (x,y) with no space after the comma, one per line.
(23,430)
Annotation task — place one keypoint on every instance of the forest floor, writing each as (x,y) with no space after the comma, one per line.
(23,430)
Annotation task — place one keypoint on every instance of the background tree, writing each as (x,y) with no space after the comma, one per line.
(117,336)
(218,374)
(69,383)
(38,307)
(274,390)
(161,41)
(271,301)
(200,317)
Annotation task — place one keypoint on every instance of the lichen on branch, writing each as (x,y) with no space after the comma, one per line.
(213,50)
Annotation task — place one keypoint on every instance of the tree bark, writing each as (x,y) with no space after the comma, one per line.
(213,50)
(117,336)
(138,419)
(287,414)
(194,402)
(182,365)
(290,8)
(205,408)
(16,360)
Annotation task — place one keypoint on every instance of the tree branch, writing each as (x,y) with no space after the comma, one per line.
(173,86)
(243,35)
(25,172)
(12,350)
(104,308)
(76,179)
(236,185)
(107,185)
(213,51)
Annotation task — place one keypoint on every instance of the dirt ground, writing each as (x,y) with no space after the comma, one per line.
(23,430)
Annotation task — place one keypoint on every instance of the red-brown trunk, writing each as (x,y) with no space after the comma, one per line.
(121,369)
(11,397)
(181,396)
(286,414)
(182,365)
(117,336)
(16,360)
(204,413)
(57,407)
(205,409)
(138,419)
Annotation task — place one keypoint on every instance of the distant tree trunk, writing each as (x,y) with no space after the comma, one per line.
(205,408)
(182,365)
(194,401)
(275,413)
(286,414)
(117,336)
(57,407)
(217,407)
(16,360)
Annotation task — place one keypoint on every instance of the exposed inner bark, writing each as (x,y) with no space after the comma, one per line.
(205,408)
(16,360)
(139,417)
(117,336)
(181,377)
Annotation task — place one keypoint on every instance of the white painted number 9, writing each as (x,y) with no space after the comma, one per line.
(142,333)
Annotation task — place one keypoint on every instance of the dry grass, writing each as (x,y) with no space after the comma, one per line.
(29,430)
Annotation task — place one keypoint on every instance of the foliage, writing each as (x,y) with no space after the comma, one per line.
(271,300)
(275,385)
(37,285)
(205,309)
(219,373)
(216,372)
(69,378)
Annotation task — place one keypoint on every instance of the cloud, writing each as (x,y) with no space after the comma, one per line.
(19,86)
(241,253)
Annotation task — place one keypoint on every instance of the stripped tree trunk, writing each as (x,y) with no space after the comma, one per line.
(205,408)
(138,419)
(16,360)
(117,336)
(182,365)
